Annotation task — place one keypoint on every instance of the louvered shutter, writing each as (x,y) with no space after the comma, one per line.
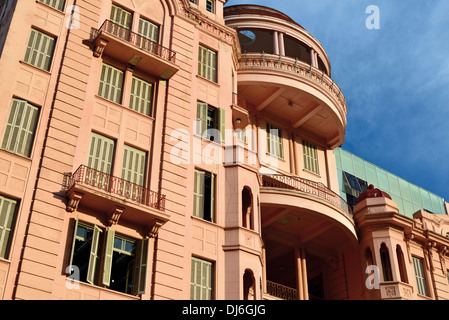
(201,118)
(149,30)
(141,96)
(39,50)
(198,195)
(7,216)
(93,257)
(133,166)
(310,157)
(121,16)
(140,266)
(20,127)
(212,197)
(100,158)
(201,280)
(73,240)
(222,120)
(57,4)
(111,83)
(108,255)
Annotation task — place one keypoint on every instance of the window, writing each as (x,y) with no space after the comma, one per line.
(133,165)
(210,6)
(20,127)
(201,280)
(119,265)
(310,157)
(193,1)
(274,141)
(121,17)
(111,83)
(207,64)
(420,276)
(100,158)
(7,217)
(141,97)
(204,195)
(210,122)
(385,261)
(148,30)
(57,4)
(39,50)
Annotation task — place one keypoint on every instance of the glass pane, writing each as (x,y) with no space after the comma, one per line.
(415,195)
(383,180)
(371,176)
(394,184)
(359,167)
(346,161)
(405,190)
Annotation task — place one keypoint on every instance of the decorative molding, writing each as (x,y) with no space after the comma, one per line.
(74,200)
(154,229)
(99,46)
(441,252)
(115,214)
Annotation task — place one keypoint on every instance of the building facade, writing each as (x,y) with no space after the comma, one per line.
(182,149)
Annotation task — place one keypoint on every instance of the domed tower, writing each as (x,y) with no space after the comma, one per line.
(292,115)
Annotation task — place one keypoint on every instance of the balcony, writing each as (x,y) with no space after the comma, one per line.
(116,197)
(124,45)
(295,93)
(300,212)
(276,291)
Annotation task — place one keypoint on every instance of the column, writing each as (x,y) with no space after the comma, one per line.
(281,44)
(276,42)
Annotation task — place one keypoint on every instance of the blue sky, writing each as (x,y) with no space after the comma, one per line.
(395,80)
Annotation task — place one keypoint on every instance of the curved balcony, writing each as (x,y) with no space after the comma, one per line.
(307,213)
(116,197)
(301,96)
(124,45)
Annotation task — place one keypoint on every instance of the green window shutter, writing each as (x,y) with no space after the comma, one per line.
(201,279)
(141,97)
(39,51)
(198,196)
(20,127)
(310,157)
(148,30)
(74,240)
(101,153)
(93,258)
(140,266)
(419,276)
(7,217)
(57,4)
(111,83)
(133,165)
(274,141)
(222,124)
(121,16)
(212,197)
(207,63)
(108,253)
(201,118)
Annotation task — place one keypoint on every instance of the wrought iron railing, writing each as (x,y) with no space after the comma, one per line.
(251,60)
(117,186)
(136,39)
(280,291)
(307,186)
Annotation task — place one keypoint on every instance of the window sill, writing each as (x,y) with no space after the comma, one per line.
(219,144)
(208,81)
(100,288)
(16,154)
(276,157)
(311,172)
(205,221)
(36,68)
(51,8)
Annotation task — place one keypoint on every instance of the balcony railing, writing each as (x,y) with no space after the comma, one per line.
(280,291)
(117,186)
(136,39)
(238,100)
(301,69)
(307,186)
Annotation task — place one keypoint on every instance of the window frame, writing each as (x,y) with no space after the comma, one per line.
(8,228)
(149,98)
(422,285)
(275,141)
(210,6)
(310,157)
(33,50)
(103,254)
(202,126)
(209,286)
(200,196)
(208,63)
(116,89)
(121,10)
(52,4)
(18,108)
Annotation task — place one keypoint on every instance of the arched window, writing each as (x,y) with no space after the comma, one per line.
(386,264)
(247,209)
(249,288)
(401,263)
(368,257)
